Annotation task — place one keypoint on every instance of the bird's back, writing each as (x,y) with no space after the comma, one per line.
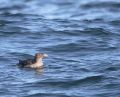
(24,63)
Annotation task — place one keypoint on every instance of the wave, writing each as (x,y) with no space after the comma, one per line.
(115,22)
(103,4)
(71,83)
(47,95)
(75,47)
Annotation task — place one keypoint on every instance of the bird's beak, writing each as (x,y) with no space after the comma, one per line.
(45,55)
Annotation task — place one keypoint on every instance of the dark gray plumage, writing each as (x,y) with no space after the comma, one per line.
(24,63)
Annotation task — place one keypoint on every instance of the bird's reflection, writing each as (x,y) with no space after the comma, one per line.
(39,70)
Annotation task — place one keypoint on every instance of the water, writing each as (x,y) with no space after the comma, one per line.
(81,38)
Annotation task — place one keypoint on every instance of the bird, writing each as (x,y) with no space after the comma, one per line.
(35,63)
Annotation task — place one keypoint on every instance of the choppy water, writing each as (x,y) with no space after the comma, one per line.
(81,37)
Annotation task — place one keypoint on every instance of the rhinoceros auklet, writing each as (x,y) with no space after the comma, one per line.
(33,63)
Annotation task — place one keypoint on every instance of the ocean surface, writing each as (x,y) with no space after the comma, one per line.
(81,37)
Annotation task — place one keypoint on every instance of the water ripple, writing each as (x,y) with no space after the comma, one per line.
(81,38)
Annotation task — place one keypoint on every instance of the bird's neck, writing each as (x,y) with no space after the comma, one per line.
(39,60)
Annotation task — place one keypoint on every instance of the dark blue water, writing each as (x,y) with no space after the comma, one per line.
(81,37)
